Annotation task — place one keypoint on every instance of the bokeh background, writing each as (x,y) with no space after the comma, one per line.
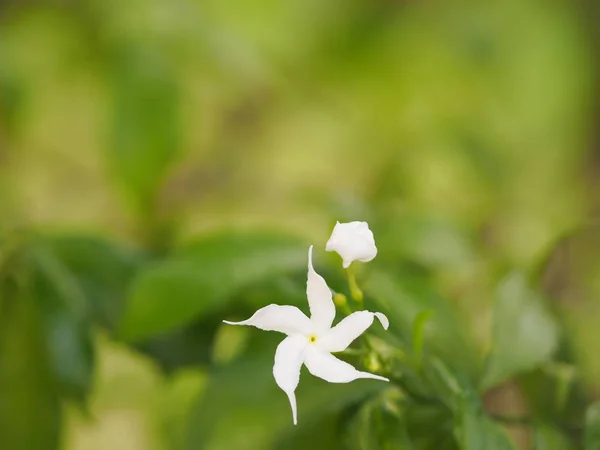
(165,164)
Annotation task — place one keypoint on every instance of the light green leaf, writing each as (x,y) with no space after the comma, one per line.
(547,437)
(426,240)
(592,427)
(202,277)
(418,337)
(525,335)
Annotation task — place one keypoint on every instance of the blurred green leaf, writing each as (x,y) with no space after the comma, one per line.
(418,337)
(447,385)
(66,319)
(30,412)
(592,427)
(325,434)
(243,396)
(145,137)
(425,240)
(475,431)
(12,95)
(524,333)
(403,298)
(183,347)
(547,437)
(375,427)
(103,269)
(203,276)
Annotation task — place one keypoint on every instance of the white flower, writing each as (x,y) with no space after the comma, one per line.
(311,341)
(353,241)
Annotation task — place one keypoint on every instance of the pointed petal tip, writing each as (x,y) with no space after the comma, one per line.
(310,264)
(385,323)
(292,399)
(380,378)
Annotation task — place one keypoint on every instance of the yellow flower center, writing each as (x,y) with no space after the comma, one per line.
(312,338)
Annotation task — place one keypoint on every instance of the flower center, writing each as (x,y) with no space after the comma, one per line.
(312,338)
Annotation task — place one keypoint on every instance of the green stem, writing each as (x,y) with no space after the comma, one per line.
(355,292)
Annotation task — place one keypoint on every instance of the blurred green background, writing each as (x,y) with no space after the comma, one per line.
(164,165)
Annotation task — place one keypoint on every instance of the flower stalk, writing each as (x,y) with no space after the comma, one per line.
(355,292)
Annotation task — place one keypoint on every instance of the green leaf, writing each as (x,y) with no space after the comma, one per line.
(426,240)
(375,427)
(244,409)
(447,385)
(103,269)
(418,337)
(324,435)
(591,436)
(525,334)
(65,315)
(30,413)
(404,297)
(547,437)
(203,276)
(475,431)
(145,137)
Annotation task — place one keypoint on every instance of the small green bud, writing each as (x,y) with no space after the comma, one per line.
(340,300)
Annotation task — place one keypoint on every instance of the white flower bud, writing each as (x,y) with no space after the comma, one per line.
(353,241)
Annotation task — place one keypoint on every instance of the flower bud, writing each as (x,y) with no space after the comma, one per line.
(353,241)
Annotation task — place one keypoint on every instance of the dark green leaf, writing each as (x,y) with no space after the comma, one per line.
(30,413)
(103,268)
(203,276)
(524,333)
(323,435)
(592,427)
(65,314)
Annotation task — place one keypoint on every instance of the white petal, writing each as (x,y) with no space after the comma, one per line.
(288,360)
(322,309)
(353,241)
(342,335)
(326,366)
(285,319)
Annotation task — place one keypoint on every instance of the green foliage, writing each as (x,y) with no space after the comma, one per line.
(103,269)
(592,427)
(524,333)
(145,131)
(547,437)
(404,298)
(202,277)
(475,431)
(418,336)
(258,406)
(30,413)
(459,130)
